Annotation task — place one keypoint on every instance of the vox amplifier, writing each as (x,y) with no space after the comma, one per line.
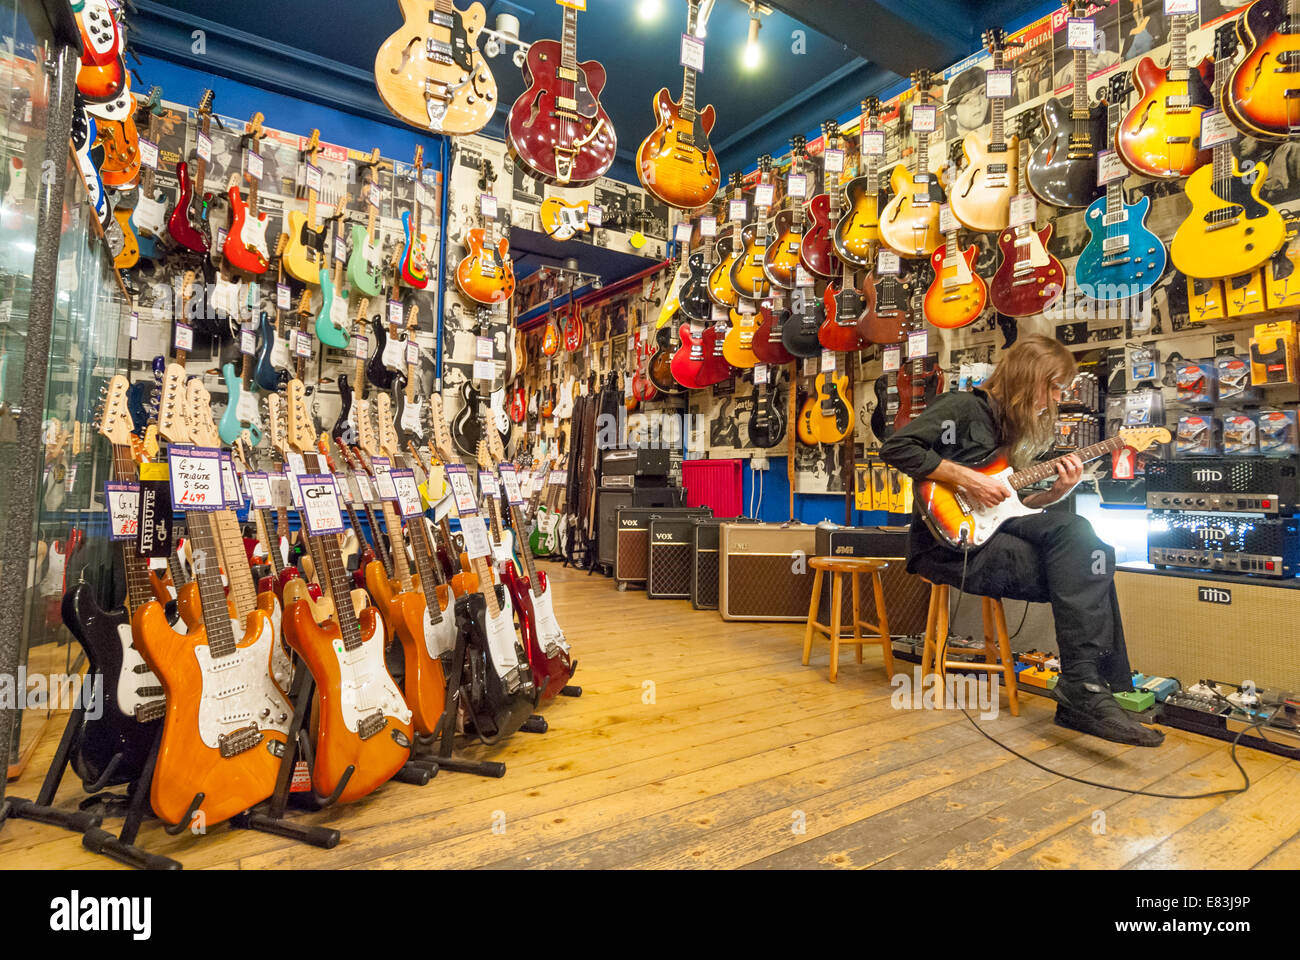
(763,571)
(907,596)
(610,500)
(704,562)
(1264,546)
(1224,485)
(631,549)
(669,574)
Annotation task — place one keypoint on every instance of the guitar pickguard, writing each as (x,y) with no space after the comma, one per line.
(364,684)
(237,690)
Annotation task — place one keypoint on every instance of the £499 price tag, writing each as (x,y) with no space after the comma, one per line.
(195,478)
(259,490)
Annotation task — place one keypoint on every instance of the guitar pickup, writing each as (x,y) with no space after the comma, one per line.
(1111,244)
(440,19)
(140,668)
(920,199)
(438,51)
(232,691)
(998,147)
(239,741)
(566,103)
(996,169)
(1180,102)
(567,73)
(154,691)
(367,727)
(1117,216)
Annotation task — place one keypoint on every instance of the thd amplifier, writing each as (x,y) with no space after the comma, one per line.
(641,465)
(1265,546)
(1196,625)
(704,561)
(763,571)
(631,548)
(669,574)
(907,596)
(609,501)
(1223,485)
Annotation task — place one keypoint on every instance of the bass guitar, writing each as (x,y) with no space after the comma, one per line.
(981,197)
(959,522)
(909,224)
(1261,93)
(857,232)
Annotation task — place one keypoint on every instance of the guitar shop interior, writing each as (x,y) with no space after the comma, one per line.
(891,408)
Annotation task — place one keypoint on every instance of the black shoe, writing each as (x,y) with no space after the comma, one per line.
(1090,708)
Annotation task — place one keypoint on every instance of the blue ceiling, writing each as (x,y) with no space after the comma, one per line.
(323,51)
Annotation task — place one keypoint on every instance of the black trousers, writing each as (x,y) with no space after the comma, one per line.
(1053,557)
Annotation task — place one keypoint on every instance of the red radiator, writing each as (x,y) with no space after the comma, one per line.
(715,484)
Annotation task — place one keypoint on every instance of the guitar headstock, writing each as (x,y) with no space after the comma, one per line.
(254,130)
(994,40)
(304,304)
(922,80)
(830,134)
(366,438)
(205,103)
(1139,438)
(115,418)
(203,429)
(495,447)
(1026,123)
(276,430)
(300,432)
(323,448)
(412,319)
(1119,87)
(172,422)
(238,454)
(313,146)
(1225,42)
(871,107)
(154,103)
(440,435)
(363,308)
(481,454)
(388,439)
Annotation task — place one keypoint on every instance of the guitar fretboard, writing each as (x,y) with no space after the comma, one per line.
(336,573)
(569,47)
(138,589)
(1041,471)
(216,620)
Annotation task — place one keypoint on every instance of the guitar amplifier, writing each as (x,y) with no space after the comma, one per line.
(634,463)
(1224,485)
(631,549)
(609,500)
(907,596)
(704,562)
(763,571)
(669,573)
(1264,546)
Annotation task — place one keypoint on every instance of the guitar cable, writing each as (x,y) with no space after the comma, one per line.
(1255,725)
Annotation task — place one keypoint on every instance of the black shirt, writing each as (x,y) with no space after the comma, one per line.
(957,426)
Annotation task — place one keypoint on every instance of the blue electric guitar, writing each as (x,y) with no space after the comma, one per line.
(1123,258)
(242,411)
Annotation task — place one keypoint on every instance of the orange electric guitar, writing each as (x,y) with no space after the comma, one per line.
(748,277)
(857,233)
(957,295)
(1263,96)
(781,260)
(486,274)
(730,248)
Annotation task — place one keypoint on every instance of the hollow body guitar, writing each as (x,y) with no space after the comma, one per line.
(1263,95)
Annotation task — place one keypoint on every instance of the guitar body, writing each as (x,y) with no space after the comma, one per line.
(99,83)
(204,720)
(1202,248)
(570,153)
(413,264)
(767,345)
(801,329)
(738,344)
(271,360)
(721,290)
(981,197)
(378,372)
(408,75)
(181,222)
(957,295)
(767,421)
(485,275)
(1052,175)
(364,724)
(832,416)
(121,143)
(857,234)
(844,310)
(782,254)
(1158,141)
(1257,98)
(241,410)
(676,162)
(1126,272)
(304,256)
(544,641)
(363,264)
(331,322)
(112,657)
(499,688)
(693,299)
(908,228)
(562,220)
(245,246)
(424,684)
(956,522)
(659,366)
(129,255)
(748,278)
(808,422)
(1028,285)
(150,217)
(466,428)
(816,252)
(889,392)
(1281,280)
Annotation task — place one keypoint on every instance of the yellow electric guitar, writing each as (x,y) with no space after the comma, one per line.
(563,220)
(909,224)
(304,257)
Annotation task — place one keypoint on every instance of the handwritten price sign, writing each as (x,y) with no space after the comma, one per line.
(320,499)
(408,492)
(123,501)
(463,490)
(195,478)
(511,482)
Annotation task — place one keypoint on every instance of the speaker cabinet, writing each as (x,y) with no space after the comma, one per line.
(1209,627)
(631,551)
(669,574)
(907,596)
(763,571)
(609,500)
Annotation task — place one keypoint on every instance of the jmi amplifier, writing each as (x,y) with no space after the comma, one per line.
(1204,625)
(634,463)
(1223,485)
(609,501)
(907,596)
(631,551)
(763,571)
(669,575)
(704,562)
(1267,546)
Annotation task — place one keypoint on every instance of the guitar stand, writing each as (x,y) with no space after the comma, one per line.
(534,724)
(122,847)
(42,810)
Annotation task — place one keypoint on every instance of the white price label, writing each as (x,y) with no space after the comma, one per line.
(302,346)
(887,263)
(296,463)
(292,480)
(487,205)
(280,487)
(408,493)
(149,153)
(320,499)
(383,482)
(344,488)
(365,492)
(760,374)
(1079,33)
(595,215)
(462,489)
(184,336)
(134,328)
(918,344)
(682,232)
(873,143)
(229,485)
(946,222)
(1110,167)
(123,500)
(1024,209)
(476,537)
(1174,8)
(313,177)
(763,195)
(737,209)
(221,239)
(1216,128)
(412,353)
(828,361)
(484,370)
(205,147)
(259,491)
(892,358)
(833,161)
(395,312)
(483,348)
(925,118)
(195,474)
(692,52)
(487,483)
(255,165)
(997,84)
(282,297)
(708,226)
(802,278)
(809,366)
(559,477)
(374,196)
(510,480)
(340,248)
(360,346)
(247,341)
(796,185)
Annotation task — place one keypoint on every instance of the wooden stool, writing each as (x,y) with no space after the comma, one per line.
(849,567)
(997,646)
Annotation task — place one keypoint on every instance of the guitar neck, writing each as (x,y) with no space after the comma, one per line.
(212,596)
(1080,108)
(569,45)
(1178,41)
(138,589)
(393,523)
(1041,471)
(999,105)
(243,591)
(335,574)
(272,549)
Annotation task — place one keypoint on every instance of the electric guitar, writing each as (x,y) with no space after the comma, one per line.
(486,273)
(150,214)
(676,162)
(1230,230)
(1260,94)
(562,220)
(957,521)
(1062,170)
(332,320)
(729,250)
(271,362)
(304,257)
(413,262)
(693,298)
(801,328)
(245,247)
(843,305)
(1160,137)
(748,277)
(354,408)
(241,404)
(817,252)
(410,416)
(857,232)
(781,258)
(767,344)
(1123,258)
(185,224)
(981,197)
(557,129)
(364,271)
(767,419)
(909,224)
(827,415)
(957,295)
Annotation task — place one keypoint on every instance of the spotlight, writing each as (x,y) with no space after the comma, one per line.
(649,10)
(492,48)
(753,53)
(507,26)
(518,58)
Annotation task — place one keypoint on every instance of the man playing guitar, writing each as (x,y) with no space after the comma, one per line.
(1051,557)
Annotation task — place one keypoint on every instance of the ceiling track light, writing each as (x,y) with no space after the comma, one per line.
(753,53)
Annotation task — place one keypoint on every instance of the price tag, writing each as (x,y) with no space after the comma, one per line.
(510,480)
(893,358)
(484,370)
(383,482)
(918,344)
(887,264)
(148,153)
(7,311)
(412,353)
(123,500)
(1024,209)
(802,278)
(255,165)
(682,232)
(763,195)
(483,348)
(365,493)
(809,366)
(302,346)
(796,185)
(828,361)
(395,312)
(280,487)
(360,346)
(925,118)
(462,489)
(320,499)
(737,209)
(340,248)
(282,301)
(692,52)
(259,490)
(760,374)
(997,84)
(946,222)
(1216,128)
(595,215)
(229,485)
(133,330)
(873,143)
(221,238)
(559,477)
(205,147)
(292,480)
(184,336)
(487,205)
(247,342)
(1174,8)
(408,493)
(476,537)
(1079,33)
(296,462)
(1110,167)
(313,177)
(195,474)
(833,161)
(487,483)
(708,226)
(345,491)
(374,196)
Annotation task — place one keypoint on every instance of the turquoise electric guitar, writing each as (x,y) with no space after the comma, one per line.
(242,412)
(332,321)
(364,271)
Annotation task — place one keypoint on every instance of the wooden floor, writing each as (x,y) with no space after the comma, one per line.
(699,743)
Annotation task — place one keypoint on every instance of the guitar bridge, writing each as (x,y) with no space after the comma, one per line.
(371,725)
(239,741)
(145,712)
(961,502)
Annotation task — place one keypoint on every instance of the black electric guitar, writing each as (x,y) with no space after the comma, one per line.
(767,420)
